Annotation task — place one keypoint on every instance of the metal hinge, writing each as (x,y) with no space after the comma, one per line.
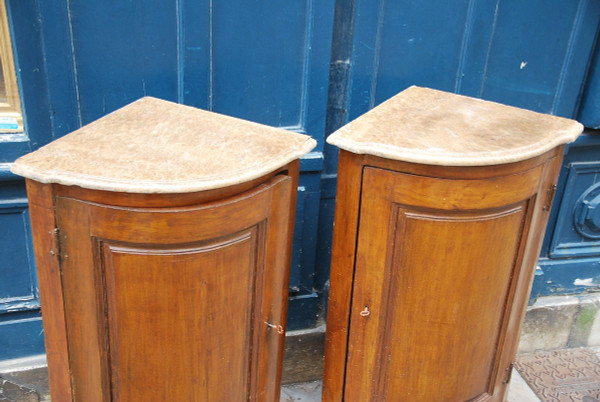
(58,248)
(55,242)
(508,373)
(550,197)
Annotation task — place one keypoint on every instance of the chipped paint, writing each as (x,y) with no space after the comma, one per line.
(585,282)
(15,304)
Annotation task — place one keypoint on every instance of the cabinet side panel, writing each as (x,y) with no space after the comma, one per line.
(83,310)
(41,210)
(181,321)
(342,273)
(535,236)
(278,256)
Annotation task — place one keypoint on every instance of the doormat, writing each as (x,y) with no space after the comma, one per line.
(562,375)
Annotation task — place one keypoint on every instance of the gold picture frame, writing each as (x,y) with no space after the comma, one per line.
(11,118)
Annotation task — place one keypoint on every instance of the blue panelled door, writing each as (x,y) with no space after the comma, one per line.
(79,60)
(537,55)
(307,66)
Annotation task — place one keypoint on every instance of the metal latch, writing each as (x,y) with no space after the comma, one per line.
(365,312)
(279,328)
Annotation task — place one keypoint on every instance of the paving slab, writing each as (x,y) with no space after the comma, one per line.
(562,375)
(32,386)
(9,391)
(305,392)
(519,391)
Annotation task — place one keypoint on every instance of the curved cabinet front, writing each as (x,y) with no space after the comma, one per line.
(439,299)
(176,303)
(442,264)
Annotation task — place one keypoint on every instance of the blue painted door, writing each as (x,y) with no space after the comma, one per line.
(79,60)
(535,54)
(570,259)
(296,65)
(20,321)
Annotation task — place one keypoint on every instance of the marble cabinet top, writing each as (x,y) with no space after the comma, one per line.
(155,146)
(432,127)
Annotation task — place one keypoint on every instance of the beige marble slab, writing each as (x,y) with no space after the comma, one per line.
(155,146)
(427,126)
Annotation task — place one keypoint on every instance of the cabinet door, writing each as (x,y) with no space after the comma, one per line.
(177,304)
(436,270)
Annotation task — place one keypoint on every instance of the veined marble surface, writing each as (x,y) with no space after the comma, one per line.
(156,146)
(432,127)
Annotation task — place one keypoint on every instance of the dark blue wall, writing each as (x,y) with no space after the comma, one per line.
(79,60)
(308,66)
(538,55)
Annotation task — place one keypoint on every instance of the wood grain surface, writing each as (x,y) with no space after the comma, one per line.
(431,270)
(169,299)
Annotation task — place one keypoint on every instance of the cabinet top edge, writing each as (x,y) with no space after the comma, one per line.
(156,146)
(422,125)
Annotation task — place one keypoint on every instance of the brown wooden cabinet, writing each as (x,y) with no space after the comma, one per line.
(432,264)
(165,296)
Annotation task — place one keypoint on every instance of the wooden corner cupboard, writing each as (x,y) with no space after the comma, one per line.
(441,206)
(163,240)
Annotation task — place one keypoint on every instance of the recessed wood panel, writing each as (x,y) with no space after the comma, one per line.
(431,326)
(180,320)
(432,288)
(177,303)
